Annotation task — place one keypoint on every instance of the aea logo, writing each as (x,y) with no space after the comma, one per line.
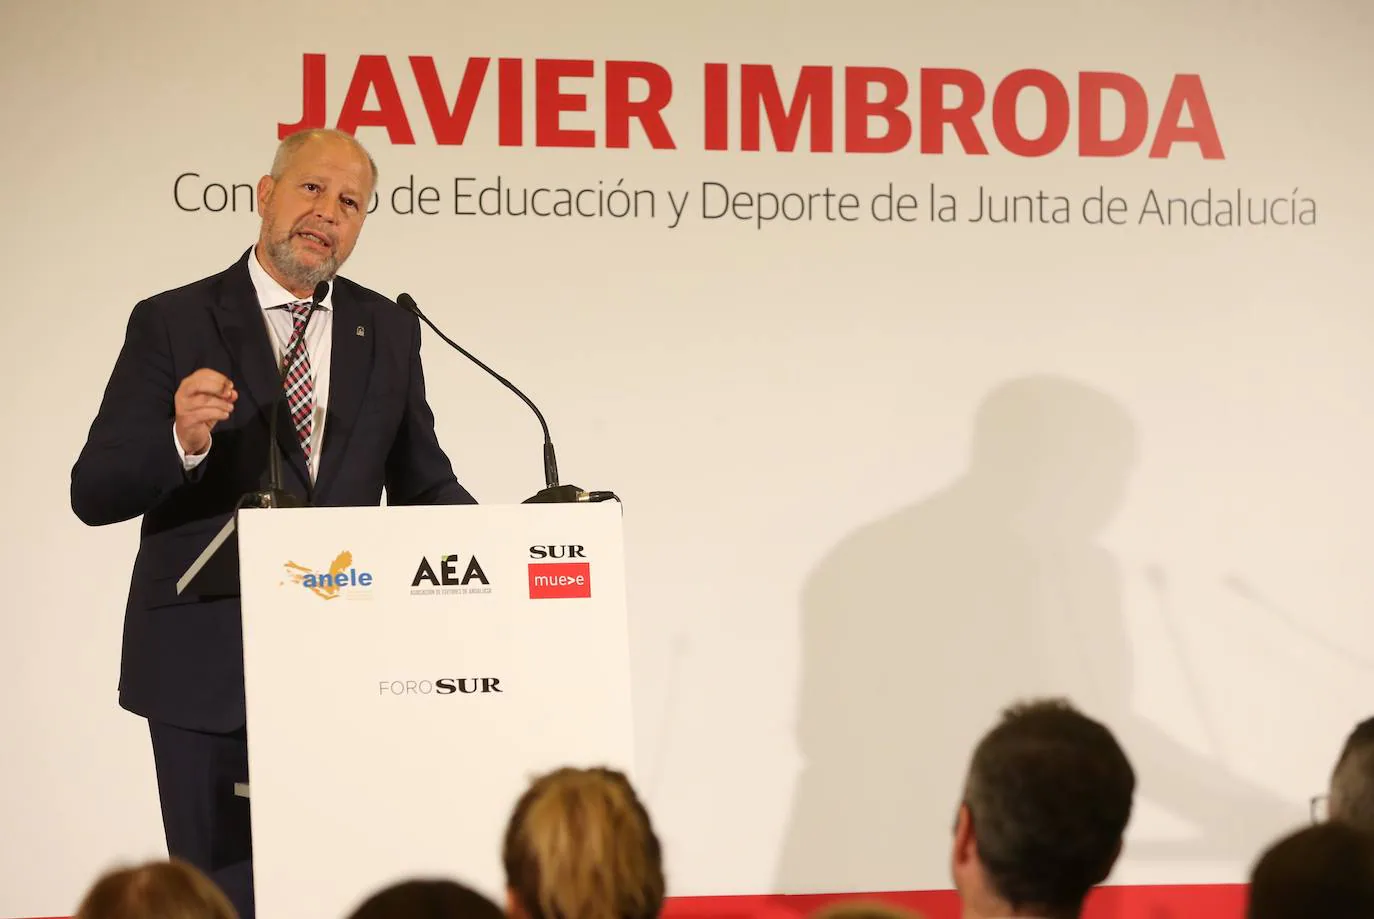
(341,579)
(560,580)
(449,578)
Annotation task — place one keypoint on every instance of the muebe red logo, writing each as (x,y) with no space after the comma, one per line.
(560,580)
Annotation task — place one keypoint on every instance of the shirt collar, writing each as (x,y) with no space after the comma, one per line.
(270,293)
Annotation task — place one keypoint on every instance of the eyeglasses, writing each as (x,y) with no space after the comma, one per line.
(1319,808)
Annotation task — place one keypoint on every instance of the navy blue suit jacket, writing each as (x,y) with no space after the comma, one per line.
(182,659)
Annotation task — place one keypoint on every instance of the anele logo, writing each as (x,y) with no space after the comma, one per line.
(559,580)
(447,580)
(444,686)
(341,578)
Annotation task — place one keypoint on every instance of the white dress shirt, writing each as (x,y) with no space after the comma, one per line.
(318,342)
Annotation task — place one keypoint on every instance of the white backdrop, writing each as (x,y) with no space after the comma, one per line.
(880,478)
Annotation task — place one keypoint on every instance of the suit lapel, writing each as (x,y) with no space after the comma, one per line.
(350,366)
(239,317)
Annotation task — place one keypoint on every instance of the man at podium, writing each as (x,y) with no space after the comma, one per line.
(182,436)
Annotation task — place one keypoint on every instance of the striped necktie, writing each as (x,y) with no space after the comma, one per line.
(298,380)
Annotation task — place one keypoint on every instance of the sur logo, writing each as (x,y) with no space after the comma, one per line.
(332,584)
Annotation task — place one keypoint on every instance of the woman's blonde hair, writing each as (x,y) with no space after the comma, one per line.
(169,889)
(580,845)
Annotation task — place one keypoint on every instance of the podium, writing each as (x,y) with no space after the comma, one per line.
(408,670)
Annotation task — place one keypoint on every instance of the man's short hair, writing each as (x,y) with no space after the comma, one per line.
(427,898)
(1352,779)
(1320,872)
(293,142)
(1049,794)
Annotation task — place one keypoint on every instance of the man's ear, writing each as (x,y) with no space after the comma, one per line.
(265,186)
(965,843)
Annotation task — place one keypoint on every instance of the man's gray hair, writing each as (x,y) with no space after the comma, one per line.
(1352,781)
(293,142)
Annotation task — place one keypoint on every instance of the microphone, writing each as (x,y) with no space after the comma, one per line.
(275,495)
(552,492)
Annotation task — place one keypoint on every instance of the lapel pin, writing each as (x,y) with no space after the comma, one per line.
(362,333)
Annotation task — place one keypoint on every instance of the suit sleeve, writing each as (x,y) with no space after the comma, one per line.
(417,469)
(129,462)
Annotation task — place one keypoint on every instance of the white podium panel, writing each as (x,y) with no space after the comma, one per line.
(408,670)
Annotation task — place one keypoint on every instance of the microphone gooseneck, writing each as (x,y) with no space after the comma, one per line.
(552,492)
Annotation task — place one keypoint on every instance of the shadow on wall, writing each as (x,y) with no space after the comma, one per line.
(921,627)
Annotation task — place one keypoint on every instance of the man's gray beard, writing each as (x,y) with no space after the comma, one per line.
(301,276)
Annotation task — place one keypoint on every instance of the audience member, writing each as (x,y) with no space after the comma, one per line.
(156,890)
(580,845)
(1320,872)
(427,899)
(1046,802)
(1352,780)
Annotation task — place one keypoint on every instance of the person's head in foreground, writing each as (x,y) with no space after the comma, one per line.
(1352,780)
(1320,872)
(580,845)
(155,890)
(427,899)
(1046,802)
